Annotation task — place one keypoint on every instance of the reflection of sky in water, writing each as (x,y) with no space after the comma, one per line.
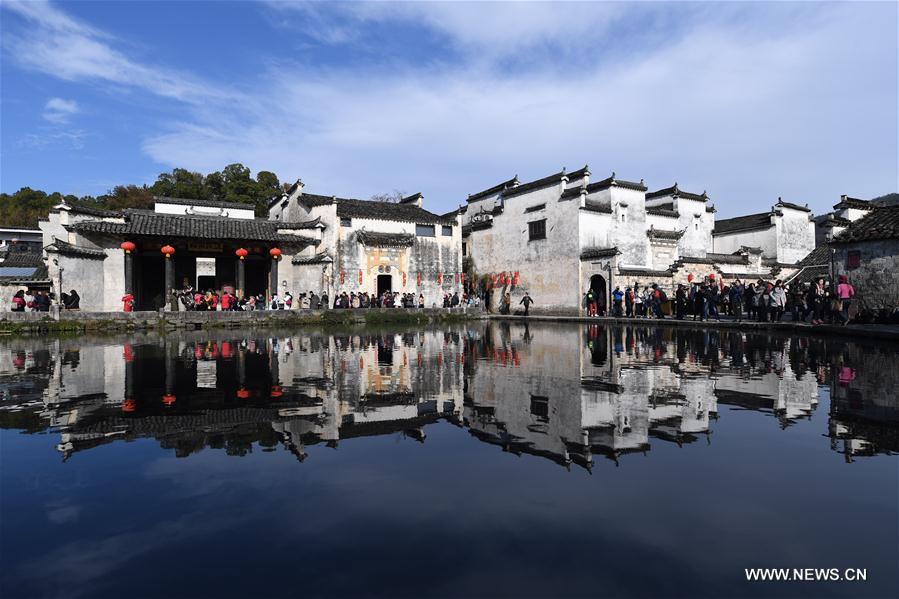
(431,463)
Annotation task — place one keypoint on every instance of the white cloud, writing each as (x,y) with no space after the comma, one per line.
(747,101)
(63,47)
(747,112)
(60,110)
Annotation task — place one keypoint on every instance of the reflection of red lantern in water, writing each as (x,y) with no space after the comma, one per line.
(129,405)
(276,391)
(226,350)
(128,353)
(168,399)
(243,394)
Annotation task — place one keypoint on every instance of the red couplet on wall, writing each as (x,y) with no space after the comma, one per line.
(360,276)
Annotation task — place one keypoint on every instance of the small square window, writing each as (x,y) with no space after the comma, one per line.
(346,221)
(425,230)
(447,231)
(854,259)
(537,229)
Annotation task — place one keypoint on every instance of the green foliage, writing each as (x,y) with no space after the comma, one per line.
(233,183)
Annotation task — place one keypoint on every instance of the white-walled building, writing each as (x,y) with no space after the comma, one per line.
(307,243)
(561,235)
(786,233)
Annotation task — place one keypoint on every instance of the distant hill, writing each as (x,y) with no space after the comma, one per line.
(890,199)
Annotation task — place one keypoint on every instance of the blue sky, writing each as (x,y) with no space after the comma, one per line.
(749,101)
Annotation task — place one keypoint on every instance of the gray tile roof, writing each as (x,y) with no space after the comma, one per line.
(145,223)
(553,179)
(818,256)
(783,204)
(591,253)
(371,209)
(663,210)
(880,223)
(762,220)
(21,259)
(614,182)
(492,190)
(675,191)
(67,249)
(78,208)
(385,239)
(654,233)
(316,259)
(858,204)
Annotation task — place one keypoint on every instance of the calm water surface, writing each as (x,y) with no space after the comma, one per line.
(487,460)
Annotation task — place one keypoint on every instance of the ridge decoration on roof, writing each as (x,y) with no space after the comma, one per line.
(654,233)
(676,192)
(492,190)
(781,203)
(615,182)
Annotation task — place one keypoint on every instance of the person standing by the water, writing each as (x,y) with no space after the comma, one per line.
(845,293)
(526,301)
(127,302)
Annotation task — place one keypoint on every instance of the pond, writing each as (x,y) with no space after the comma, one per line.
(488,459)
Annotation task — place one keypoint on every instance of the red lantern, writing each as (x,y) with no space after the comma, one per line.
(276,391)
(690,278)
(241,253)
(515,279)
(243,393)
(129,405)
(168,399)
(275,253)
(128,246)
(167,250)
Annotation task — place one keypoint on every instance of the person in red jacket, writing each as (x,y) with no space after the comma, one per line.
(128,302)
(226,301)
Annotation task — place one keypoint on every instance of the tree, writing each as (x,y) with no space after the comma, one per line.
(393,197)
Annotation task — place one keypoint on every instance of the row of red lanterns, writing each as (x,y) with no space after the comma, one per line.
(128,247)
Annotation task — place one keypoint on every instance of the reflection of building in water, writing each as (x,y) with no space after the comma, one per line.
(564,393)
(613,388)
(191,392)
(864,403)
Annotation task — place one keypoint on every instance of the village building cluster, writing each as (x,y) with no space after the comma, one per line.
(556,238)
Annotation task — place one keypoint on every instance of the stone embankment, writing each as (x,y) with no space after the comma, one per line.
(13,323)
(877,331)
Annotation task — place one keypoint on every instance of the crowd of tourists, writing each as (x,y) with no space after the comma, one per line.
(26,300)
(189,299)
(763,301)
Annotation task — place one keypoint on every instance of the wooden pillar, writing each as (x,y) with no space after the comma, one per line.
(169,280)
(273,282)
(129,273)
(241,278)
